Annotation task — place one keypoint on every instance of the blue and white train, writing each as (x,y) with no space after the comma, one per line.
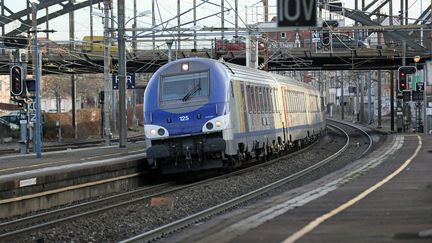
(202,114)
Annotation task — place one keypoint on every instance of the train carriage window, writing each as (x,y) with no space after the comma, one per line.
(260,100)
(301,103)
(251,99)
(256,101)
(253,103)
(266,103)
(287,100)
(311,103)
(304,102)
(288,108)
(292,102)
(322,103)
(184,86)
(243,97)
(268,100)
(272,108)
(275,100)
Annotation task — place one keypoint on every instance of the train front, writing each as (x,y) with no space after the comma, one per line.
(185,112)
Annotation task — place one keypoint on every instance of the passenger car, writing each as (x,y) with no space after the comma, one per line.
(203,114)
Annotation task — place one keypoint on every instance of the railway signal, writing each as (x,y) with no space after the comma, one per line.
(326,38)
(16,80)
(403,73)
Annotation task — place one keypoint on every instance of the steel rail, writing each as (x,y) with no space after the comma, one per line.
(174,225)
(52,214)
(362,130)
(171,227)
(69,210)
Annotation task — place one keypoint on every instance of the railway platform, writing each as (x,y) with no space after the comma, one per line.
(25,178)
(388,200)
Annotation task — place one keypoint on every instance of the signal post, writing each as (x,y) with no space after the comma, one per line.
(18,87)
(409,89)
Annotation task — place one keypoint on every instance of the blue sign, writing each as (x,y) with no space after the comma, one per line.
(130,81)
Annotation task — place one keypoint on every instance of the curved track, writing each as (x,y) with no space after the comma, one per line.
(352,134)
(12,229)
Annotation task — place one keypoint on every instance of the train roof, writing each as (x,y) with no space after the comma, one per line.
(245,73)
(259,75)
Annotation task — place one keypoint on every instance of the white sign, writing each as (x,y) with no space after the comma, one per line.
(428,111)
(32,117)
(316,36)
(27,182)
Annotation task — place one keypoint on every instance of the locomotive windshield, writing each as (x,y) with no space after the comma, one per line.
(185,86)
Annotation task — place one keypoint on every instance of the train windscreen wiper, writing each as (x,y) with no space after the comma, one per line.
(191,92)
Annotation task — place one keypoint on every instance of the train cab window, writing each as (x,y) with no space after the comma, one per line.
(184,87)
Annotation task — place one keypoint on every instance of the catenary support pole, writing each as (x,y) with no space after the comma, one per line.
(107,86)
(38,145)
(122,74)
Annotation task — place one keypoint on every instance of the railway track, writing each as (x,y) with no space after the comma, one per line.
(12,229)
(35,222)
(200,216)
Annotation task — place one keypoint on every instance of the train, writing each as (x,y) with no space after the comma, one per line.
(95,45)
(203,114)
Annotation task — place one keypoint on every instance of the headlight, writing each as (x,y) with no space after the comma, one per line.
(161,132)
(219,123)
(209,126)
(153,132)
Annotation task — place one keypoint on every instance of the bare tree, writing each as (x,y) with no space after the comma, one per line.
(56,86)
(89,86)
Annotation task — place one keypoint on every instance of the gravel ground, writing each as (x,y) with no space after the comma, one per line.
(125,222)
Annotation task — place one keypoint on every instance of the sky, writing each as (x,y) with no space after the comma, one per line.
(248,10)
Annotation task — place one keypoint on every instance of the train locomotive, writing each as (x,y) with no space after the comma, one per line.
(204,114)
